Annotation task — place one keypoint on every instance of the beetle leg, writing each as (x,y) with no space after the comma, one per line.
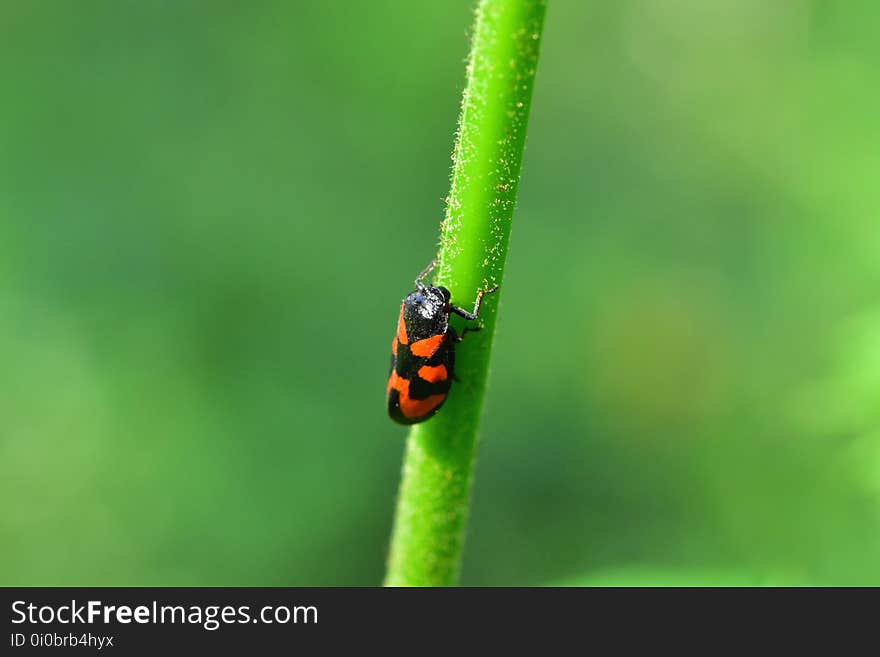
(471,316)
(467,329)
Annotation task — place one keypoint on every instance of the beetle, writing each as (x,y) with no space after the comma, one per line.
(423,351)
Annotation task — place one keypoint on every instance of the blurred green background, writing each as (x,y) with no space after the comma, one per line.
(209,212)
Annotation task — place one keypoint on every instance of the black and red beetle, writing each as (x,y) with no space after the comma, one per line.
(423,351)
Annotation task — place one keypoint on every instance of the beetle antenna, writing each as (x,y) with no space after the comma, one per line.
(427,270)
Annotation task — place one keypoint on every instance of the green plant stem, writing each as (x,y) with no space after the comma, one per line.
(428,537)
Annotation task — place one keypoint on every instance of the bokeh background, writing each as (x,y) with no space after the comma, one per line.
(209,213)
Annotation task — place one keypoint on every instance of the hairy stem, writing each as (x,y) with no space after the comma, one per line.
(432,506)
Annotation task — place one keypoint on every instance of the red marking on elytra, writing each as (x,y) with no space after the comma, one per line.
(427,347)
(433,374)
(401,329)
(412,408)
